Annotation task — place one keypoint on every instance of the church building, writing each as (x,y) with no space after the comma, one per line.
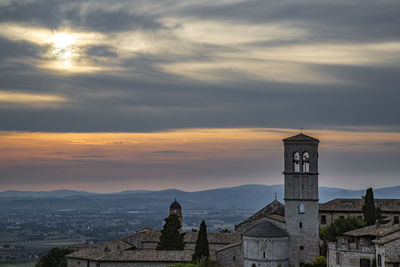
(284,235)
(277,235)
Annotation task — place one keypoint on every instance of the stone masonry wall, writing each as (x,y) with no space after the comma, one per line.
(230,257)
(304,240)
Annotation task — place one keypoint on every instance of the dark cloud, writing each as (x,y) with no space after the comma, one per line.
(331,20)
(92,16)
(136,94)
(87,156)
(100,51)
(170,152)
(18,50)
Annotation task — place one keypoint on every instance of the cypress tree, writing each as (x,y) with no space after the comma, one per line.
(201,249)
(171,238)
(368,208)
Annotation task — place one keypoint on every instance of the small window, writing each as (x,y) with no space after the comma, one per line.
(296,162)
(323,219)
(264,254)
(396,219)
(234,258)
(301,248)
(341,217)
(379,260)
(300,225)
(301,208)
(337,258)
(306,162)
(365,263)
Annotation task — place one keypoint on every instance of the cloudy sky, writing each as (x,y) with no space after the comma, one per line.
(106,96)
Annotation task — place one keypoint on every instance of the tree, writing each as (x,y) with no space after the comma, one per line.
(55,258)
(339,226)
(368,208)
(171,238)
(201,249)
(319,262)
(225,230)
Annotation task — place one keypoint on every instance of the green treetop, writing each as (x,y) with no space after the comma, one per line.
(201,249)
(368,208)
(55,258)
(171,238)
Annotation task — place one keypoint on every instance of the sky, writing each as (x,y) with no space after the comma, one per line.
(108,96)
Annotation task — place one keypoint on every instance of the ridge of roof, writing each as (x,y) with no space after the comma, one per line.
(300,138)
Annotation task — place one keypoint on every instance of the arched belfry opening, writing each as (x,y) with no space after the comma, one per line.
(296,162)
(306,162)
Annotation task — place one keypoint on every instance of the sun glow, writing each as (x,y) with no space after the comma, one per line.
(63,49)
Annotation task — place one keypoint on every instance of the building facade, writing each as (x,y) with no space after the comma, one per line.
(343,207)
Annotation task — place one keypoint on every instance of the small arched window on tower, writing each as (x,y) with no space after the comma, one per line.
(301,208)
(296,162)
(306,162)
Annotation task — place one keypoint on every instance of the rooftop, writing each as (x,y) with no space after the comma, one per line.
(301,138)
(265,229)
(374,230)
(274,210)
(388,238)
(355,205)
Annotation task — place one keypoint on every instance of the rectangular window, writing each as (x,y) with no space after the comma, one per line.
(341,217)
(396,219)
(337,258)
(379,260)
(365,263)
(323,219)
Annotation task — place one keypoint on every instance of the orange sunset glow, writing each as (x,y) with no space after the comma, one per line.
(94,161)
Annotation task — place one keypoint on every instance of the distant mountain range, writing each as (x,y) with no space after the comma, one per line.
(245,196)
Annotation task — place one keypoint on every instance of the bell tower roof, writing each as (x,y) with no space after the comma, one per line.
(175,205)
(301,138)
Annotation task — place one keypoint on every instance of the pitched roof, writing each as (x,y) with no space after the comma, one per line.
(98,254)
(189,237)
(274,210)
(300,138)
(388,238)
(230,246)
(265,229)
(374,230)
(355,205)
(129,248)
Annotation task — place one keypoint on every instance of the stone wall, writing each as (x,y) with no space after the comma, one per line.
(392,250)
(303,229)
(339,256)
(265,252)
(230,256)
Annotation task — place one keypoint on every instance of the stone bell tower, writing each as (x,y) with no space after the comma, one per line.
(301,197)
(175,208)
